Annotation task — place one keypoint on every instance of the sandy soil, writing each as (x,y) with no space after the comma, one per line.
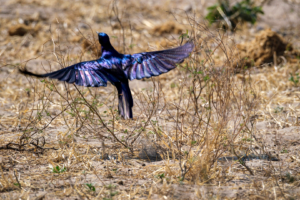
(99,167)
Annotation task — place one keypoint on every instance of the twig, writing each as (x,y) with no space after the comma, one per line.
(20,147)
(225,17)
(241,161)
(101,120)
(19,184)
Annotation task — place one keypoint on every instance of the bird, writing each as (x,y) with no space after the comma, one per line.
(118,69)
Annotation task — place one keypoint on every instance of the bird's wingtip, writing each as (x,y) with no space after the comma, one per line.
(191,42)
(190,45)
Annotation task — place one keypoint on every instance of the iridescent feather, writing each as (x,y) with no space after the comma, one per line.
(118,68)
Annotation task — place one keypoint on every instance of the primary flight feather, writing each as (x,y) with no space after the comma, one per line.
(118,68)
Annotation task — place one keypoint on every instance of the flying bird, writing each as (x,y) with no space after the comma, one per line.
(119,68)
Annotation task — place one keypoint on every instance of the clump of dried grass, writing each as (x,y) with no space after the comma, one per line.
(20,30)
(8,182)
(91,46)
(265,48)
(167,28)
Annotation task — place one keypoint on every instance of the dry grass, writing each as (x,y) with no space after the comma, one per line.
(200,131)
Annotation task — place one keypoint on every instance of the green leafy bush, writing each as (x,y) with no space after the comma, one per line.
(244,11)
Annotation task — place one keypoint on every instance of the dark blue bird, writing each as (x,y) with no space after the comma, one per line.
(118,68)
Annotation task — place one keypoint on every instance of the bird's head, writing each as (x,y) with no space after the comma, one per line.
(103,38)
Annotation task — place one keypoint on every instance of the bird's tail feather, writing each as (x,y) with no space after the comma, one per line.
(125,100)
(25,72)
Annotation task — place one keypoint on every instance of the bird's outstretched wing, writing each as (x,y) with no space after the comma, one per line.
(145,65)
(88,74)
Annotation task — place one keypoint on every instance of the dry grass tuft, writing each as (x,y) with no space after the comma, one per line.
(19,30)
(267,46)
(88,45)
(167,28)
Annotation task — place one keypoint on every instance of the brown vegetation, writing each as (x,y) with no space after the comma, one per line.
(263,49)
(167,28)
(197,133)
(19,30)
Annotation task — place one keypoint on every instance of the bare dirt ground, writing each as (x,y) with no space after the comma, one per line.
(201,131)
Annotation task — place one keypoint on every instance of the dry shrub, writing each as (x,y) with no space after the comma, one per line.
(263,48)
(210,111)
